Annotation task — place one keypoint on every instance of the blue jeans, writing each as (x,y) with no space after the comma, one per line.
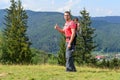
(69,58)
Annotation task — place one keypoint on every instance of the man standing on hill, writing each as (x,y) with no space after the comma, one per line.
(69,30)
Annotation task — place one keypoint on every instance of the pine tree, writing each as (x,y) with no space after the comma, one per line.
(61,52)
(85,43)
(16,45)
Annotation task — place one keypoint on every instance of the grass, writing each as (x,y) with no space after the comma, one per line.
(55,72)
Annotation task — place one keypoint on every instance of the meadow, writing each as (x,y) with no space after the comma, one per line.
(55,72)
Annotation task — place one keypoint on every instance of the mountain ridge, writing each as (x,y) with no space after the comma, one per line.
(43,36)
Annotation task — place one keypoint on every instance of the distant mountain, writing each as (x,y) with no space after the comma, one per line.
(111,19)
(2,13)
(43,36)
(41,29)
(108,36)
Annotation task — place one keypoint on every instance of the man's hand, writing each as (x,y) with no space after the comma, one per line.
(56,27)
(69,45)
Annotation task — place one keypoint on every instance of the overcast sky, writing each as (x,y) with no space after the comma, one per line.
(94,7)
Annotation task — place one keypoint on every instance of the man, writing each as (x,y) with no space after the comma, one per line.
(69,31)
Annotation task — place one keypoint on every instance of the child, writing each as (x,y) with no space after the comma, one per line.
(78,25)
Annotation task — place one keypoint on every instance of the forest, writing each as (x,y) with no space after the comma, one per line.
(43,36)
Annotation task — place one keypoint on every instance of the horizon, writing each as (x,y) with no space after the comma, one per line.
(73,15)
(96,8)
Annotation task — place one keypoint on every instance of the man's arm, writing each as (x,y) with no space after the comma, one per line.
(59,29)
(72,38)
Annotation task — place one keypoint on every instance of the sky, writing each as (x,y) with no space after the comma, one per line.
(96,8)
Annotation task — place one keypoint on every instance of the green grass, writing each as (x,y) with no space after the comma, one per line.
(55,72)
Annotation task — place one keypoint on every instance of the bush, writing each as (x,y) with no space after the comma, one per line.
(52,59)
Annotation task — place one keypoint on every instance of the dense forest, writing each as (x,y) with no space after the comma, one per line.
(43,36)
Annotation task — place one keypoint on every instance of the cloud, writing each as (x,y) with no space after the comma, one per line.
(109,12)
(100,11)
(39,5)
(4,1)
(4,4)
(68,5)
(32,5)
(104,11)
(53,2)
(45,5)
(64,5)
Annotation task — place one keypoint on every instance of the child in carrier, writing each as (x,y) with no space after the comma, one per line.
(77,24)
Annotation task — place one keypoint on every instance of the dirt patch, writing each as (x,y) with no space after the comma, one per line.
(3,74)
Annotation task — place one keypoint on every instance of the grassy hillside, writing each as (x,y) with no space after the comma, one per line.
(55,72)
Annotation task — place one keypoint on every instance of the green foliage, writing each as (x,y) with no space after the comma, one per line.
(1,37)
(42,23)
(42,33)
(40,57)
(85,44)
(52,59)
(111,64)
(107,36)
(61,52)
(16,45)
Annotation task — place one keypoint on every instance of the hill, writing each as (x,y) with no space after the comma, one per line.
(107,34)
(55,72)
(111,19)
(43,36)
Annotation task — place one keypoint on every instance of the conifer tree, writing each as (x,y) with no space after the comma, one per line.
(85,43)
(61,52)
(16,45)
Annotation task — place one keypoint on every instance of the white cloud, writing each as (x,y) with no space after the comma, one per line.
(110,12)
(4,1)
(4,4)
(68,5)
(53,2)
(32,5)
(100,11)
(65,5)
(104,11)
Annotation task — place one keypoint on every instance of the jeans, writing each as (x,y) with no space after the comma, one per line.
(69,58)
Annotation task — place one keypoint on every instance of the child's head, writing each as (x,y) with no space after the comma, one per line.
(75,19)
